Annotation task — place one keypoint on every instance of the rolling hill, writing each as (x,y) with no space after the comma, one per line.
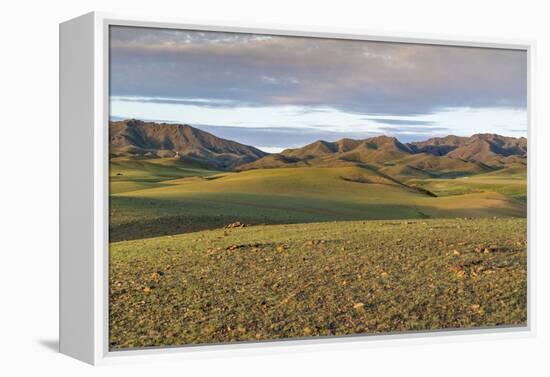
(301,195)
(169,179)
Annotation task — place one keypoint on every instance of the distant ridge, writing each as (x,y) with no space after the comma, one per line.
(433,157)
(148,139)
(438,146)
(486,148)
(461,155)
(378,143)
(490,148)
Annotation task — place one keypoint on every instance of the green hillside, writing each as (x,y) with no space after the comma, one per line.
(429,166)
(510,182)
(135,173)
(192,202)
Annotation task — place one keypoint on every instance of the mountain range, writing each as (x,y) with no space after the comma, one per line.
(474,154)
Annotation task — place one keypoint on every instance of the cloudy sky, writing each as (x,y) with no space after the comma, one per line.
(276,92)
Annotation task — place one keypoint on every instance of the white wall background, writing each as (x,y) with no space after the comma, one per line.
(29,184)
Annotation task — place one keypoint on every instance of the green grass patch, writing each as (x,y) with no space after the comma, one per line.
(320,279)
(132,173)
(510,186)
(298,195)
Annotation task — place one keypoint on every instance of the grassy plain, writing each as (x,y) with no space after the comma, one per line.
(318,279)
(437,252)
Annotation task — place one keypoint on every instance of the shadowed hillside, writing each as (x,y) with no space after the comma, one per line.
(491,149)
(438,146)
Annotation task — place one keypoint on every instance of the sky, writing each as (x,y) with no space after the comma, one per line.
(277,92)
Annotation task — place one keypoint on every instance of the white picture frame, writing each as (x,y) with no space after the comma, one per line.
(84,114)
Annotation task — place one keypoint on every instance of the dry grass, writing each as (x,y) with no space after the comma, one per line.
(319,279)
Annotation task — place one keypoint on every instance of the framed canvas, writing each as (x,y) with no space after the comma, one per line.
(230,187)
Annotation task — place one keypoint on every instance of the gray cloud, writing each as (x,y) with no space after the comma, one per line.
(279,136)
(402,122)
(522,131)
(355,76)
(415,129)
(298,137)
(214,103)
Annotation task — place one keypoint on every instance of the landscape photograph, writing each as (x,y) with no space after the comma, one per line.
(266,187)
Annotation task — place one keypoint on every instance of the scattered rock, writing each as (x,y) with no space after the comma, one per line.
(155,276)
(236,224)
(235,247)
(315,242)
(458,271)
(486,249)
